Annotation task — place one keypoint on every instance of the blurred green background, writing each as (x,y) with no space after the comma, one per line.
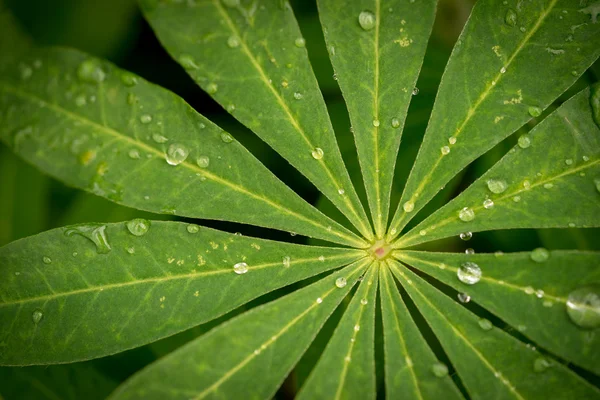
(31,202)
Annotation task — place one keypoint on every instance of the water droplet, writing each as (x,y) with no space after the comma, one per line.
(569,161)
(146,119)
(46,260)
(524,141)
(134,154)
(463,298)
(583,306)
(488,203)
(298,95)
(466,214)
(366,20)
(469,251)
(319,300)
(364,302)
(408,206)
(539,293)
(138,226)
(191,228)
(203,161)
(317,153)
(496,185)
(212,88)
(80,101)
(395,123)
(187,62)
(226,137)
(376,123)
(422,232)
(231,108)
(240,268)
(466,235)
(539,255)
(300,42)
(541,364)
(287,261)
(356,328)
(517,199)
(534,111)
(340,282)
(503,70)
(452,140)
(93,232)
(322,258)
(90,71)
(510,18)
(159,138)
(415,91)
(469,273)
(548,185)
(176,154)
(233,41)
(129,79)
(341,191)
(37,316)
(439,369)
(485,324)
(445,150)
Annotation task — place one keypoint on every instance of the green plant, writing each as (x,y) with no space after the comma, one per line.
(87,291)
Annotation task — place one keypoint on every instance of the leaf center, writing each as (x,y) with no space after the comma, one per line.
(380,250)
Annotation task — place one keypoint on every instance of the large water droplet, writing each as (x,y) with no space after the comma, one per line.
(176,154)
(138,226)
(469,273)
(539,255)
(37,316)
(466,214)
(496,185)
(340,282)
(408,206)
(583,306)
(90,71)
(95,233)
(524,141)
(240,268)
(511,17)
(317,153)
(366,20)
(466,235)
(439,369)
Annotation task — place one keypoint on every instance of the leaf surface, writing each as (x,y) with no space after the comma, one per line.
(526,294)
(509,64)
(489,361)
(551,179)
(250,355)
(252,59)
(107,131)
(87,291)
(377,49)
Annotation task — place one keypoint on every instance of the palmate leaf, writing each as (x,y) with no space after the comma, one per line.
(556,165)
(125,139)
(86,291)
(252,59)
(487,91)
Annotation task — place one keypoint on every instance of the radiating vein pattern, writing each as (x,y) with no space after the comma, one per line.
(486,92)
(86,291)
(377,61)
(556,165)
(109,132)
(252,60)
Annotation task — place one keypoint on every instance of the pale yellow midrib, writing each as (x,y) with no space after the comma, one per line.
(470,113)
(15,91)
(378,217)
(351,207)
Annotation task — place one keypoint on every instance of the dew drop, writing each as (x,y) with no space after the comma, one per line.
(134,154)
(233,41)
(93,232)
(159,138)
(439,369)
(541,364)
(80,101)
(191,228)
(138,226)
(548,185)
(469,273)
(356,328)
(341,191)
(395,123)
(466,214)
(466,235)
(445,150)
(146,119)
(340,282)
(452,140)
(37,316)
(129,79)
(583,306)
(408,206)
(300,42)
(317,153)
(539,255)
(366,20)
(463,298)
(415,91)
(496,185)
(488,203)
(240,268)
(485,324)
(375,123)
(203,161)
(469,251)
(287,261)
(319,300)
(534,111)
(524,141)
(90,71)
(212,88)
(364,302)
(510,18)
(176,154)
(226,137)
(46,260)
(569,161)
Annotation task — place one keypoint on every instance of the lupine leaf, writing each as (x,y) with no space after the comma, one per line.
(86,291)
(252,59)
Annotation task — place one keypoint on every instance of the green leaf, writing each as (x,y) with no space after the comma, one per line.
(97,289)
(377,49)
(252,60)
(346,368)
(489,361)
(494,84)
(57,382)
(551,179)
(248,356)
(408,358)
(96,127)
(529,295)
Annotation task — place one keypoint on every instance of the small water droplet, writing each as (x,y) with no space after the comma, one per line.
(176,154)
(466,235)
(408,206)
(583,306)
(539,293)
(129,79)
(485,324)
(203,161)
(395,123)
(138,226)
(415,91)
(439,369)
(356,328)
(90,71)
(37,316)
(517,199)
(445,150)
(569,161)
(548,185)
(191,228)
(319,300)
(341,191)
(524,141)
(469,251)
(93,232)
(534,111)
(317,153)
(159,138)
(539,255)
(488,203)
(452,140)
(146,119)
(240,268)
(287,261)
(340,282)
(366,20)
(503,70)
(469,273)
(212,88)
(233,41)
(226,137)
(188,62)
(46,260)
(80,101)
(463,298)
(541,364)
(300,42)
(510,18)
(376,123)
(422,232)
(466,214)
(364,302)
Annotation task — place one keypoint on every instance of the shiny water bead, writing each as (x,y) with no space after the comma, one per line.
(95,233)
(439,369)
(463,298)
(445,150)
(485,324)
(129,79)
(287,261)
(539,255)
(356,328)
(376,123)
(541,364)
(583,306)
(298,95)
(138,226)
(524,141)
(340,282)
(415,91)
(159,138)
(569,161)
(317,153)
(319,300)
(535,111)
(488,203)
(466,214)
(176,154)
(212,88)
(510,18)
(466,235)
(469,251)
(395,123)
(300,42)
(37,316)
(191,228)
(366,20)
(408,206)
(452,140)
(364,302)
(203,161)
(469,273)
(341,191)
(240,268)
(134,154)
(146,119)
(46,260)
(496,186)
(90,71)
